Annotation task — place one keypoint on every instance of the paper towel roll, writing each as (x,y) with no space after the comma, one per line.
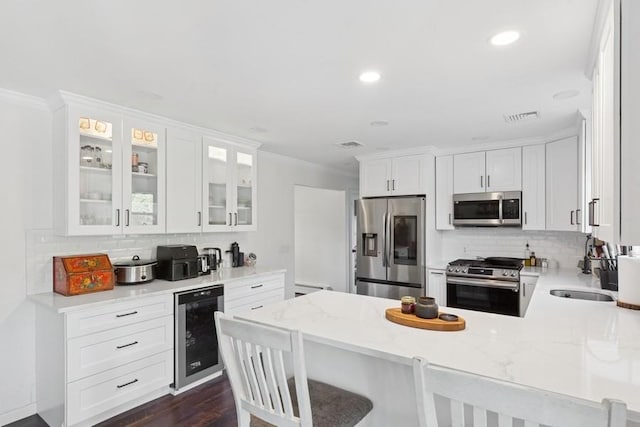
(629,280)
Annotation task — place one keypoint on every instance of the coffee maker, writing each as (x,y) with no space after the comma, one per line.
(214,257)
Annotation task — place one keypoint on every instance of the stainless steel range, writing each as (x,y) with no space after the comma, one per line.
(491,285)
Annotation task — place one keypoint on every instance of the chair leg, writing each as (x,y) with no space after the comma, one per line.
(244,418)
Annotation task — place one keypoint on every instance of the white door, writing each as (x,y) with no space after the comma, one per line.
(469,173)
(562,184)
(504,170)
(533,187)
(375,177)
(407,175)
(143,178)
(444,193)
(184,182)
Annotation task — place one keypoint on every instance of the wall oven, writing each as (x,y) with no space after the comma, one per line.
(196,342)
(491,285)
(488,209)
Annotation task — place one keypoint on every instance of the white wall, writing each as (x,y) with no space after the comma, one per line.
(26,222)
(25,173)
(320,237)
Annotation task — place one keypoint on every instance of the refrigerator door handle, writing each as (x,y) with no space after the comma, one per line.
(388,237)
(384,240)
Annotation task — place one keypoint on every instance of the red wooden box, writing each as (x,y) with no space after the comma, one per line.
(82,274)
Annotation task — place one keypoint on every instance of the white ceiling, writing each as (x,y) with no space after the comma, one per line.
(285,72)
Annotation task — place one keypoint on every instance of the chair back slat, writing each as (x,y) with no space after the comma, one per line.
(535,407)
(479,417)
(254,356)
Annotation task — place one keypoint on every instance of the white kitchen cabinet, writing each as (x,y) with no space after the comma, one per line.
(469,173)
(437,286)
(444,193)
(533,187)
(96,362)
(184,181)
(97,190)
(229,186)
(562,184)
(527,286)
(504,169)
(495,170)
(252,294)
(602,208)
(397,176)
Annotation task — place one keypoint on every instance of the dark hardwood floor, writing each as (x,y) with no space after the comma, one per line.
(210,404)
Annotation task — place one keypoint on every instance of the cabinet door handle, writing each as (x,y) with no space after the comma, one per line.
(524,290)
(126,384)
(393,184)
(199,219)
(525,218)
(387,185)
(256,286)
(235,217)
(117,217)
(436,272)
(126,217)
(255,308)
(572,218)
(230,222)
(449,218)
(126,345)
(127,314)
(578,211)
(488,181)
(595,223)
(481,181)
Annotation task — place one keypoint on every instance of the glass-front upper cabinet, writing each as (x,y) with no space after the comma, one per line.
(143,182)
(244,189)
(93,184)
(229,187)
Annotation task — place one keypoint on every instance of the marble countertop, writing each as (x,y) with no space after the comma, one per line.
(581,348)
(227,276)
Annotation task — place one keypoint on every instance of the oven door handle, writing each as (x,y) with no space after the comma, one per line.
(486,283)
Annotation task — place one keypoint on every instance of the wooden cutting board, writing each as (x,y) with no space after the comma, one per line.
(396,315)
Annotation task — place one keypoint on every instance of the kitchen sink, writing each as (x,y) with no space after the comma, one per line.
(588,295)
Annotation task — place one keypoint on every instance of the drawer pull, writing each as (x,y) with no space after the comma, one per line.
(255,308)
(256,286)
(127,345)
(126,384)
(126,314)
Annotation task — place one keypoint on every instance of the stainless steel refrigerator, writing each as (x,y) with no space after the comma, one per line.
(391,234)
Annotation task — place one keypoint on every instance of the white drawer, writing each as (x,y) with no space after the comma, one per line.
(114,315)
(91,354)
(93,395)
(256,303)
(250,288)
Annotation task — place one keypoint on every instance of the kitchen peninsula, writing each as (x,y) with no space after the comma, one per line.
(585,349)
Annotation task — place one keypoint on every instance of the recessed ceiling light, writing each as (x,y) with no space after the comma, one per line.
(258,129)
(504,38)
(379,123)
(370,77)
(566,94)
(350,144)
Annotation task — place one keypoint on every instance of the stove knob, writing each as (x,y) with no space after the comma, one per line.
(457,270)
(513,274)
(506,273)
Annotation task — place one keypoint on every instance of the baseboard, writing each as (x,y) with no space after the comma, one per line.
(17,414)
(196,383)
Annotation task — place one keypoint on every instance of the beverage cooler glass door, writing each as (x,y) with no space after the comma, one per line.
(406,237)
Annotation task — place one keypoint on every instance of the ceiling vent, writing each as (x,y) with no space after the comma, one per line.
(522,117)
(350,144)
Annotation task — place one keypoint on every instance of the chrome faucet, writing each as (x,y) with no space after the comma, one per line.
(586,262)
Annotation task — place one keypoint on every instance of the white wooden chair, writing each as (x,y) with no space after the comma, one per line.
(507,401)
(254,356)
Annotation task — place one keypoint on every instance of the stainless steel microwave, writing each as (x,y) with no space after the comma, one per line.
(488,209)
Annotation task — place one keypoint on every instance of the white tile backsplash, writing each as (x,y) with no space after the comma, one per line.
(562,248)
(43,245)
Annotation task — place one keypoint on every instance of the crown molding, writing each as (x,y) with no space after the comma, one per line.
(62,98)
(427,149)
(596,34)
(23,99)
